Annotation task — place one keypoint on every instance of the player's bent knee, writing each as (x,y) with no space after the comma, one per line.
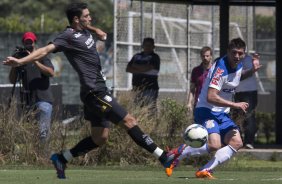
(100,140)
(237,145)
(214,146)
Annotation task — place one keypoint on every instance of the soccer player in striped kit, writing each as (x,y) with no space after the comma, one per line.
(213,106)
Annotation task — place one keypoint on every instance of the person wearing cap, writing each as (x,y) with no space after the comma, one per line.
(37,92)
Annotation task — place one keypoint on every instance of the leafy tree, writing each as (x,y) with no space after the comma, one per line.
(26,15)
(265,24)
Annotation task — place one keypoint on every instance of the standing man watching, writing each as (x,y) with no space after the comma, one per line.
(100,108)
(37,92)
(198,76)
(247,92)
(145,67)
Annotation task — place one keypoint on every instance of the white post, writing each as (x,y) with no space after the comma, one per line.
(153,21)
(181,74)
(130,46)
(188,51)
(141,22)
(42,22)
(213,31)
(115,48)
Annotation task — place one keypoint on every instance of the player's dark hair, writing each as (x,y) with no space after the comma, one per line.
(237,43)
(74,9)
(205,49)
(148,40)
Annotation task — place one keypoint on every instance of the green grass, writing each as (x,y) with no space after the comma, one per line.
(135,175)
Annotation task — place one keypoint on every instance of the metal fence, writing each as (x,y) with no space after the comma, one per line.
(65,75)
(180,31)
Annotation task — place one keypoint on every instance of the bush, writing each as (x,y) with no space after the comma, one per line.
(20,137)
(266,125)
(176,119)
(20,144)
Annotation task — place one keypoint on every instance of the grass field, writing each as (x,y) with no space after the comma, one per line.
(136,175)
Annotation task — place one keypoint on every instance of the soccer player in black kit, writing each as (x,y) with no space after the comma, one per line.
(78,45)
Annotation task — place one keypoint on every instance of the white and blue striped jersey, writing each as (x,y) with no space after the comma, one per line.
(224,79)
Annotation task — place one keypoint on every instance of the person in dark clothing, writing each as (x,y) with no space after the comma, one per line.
(247,92)
(79,46)
(37,92)
(145,67)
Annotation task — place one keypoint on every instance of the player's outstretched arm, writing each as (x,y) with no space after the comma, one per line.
(34,56)
(215,99)
(256,66)
(256,63)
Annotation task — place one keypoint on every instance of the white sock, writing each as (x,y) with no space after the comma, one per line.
(221,156)
(158,152)
(67,154)
(189,151)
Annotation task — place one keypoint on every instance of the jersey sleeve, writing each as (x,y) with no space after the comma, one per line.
(133,59)
(156,62)
(62,42)
(247,63)
(193,76)
(217,79)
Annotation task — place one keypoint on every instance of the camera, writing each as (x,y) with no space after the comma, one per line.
(20,52)
(21,77)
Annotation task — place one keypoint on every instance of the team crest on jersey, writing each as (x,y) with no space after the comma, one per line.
(90,42)
(77,35)
(108,98)
(210,124)
(217,76)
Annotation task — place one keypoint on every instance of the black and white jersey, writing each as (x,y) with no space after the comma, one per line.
(80,49)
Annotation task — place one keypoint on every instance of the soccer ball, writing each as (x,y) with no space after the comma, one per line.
(195,135)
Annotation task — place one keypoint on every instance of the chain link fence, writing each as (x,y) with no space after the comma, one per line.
(135,21)
(180,31)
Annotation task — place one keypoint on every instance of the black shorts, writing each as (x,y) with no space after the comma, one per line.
(100,108)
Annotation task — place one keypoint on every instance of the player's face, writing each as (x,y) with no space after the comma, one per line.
(85,19)
(235,56)
(206,57)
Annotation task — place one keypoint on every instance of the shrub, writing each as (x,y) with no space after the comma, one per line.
(266,125)
(176,118)
(20,144)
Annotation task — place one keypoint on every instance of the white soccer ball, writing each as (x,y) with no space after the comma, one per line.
(195,135)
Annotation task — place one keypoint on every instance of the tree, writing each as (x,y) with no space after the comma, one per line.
(26,15)
(265,24)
